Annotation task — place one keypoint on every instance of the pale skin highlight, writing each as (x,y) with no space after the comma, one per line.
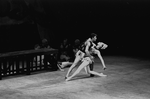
(85,64)
(78,58)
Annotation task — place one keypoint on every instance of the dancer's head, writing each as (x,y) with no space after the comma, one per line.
(93,36)
(45,43)
(37,46)
(65,41)
(77,42)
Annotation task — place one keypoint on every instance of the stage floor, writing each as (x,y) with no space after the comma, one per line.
(128,78)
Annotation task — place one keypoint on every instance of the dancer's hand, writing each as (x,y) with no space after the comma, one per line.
(104,46)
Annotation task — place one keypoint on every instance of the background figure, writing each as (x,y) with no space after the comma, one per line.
(45,44)
(37,58)
(37,46)
(64,55)
(75,48)
(64,51)
(45,58)
(49,59)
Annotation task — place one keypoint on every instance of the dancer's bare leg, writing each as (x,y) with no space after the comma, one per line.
(84,64)
(100,57)
(86,70)
(95,73)
(65,64)
(79,56)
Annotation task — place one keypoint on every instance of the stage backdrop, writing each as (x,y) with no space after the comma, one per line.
(123,24)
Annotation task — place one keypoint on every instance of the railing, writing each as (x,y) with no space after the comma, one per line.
(25,62)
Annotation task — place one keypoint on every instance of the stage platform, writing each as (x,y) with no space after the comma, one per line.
(128,78)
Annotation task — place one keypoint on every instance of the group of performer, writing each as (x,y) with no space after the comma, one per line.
(85,55)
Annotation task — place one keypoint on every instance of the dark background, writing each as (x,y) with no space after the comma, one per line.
(122,24)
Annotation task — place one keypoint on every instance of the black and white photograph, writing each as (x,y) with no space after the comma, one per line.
(74,49)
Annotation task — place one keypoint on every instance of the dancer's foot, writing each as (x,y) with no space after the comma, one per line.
(104,68)
(60,68)
(68,78)
(103,75)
